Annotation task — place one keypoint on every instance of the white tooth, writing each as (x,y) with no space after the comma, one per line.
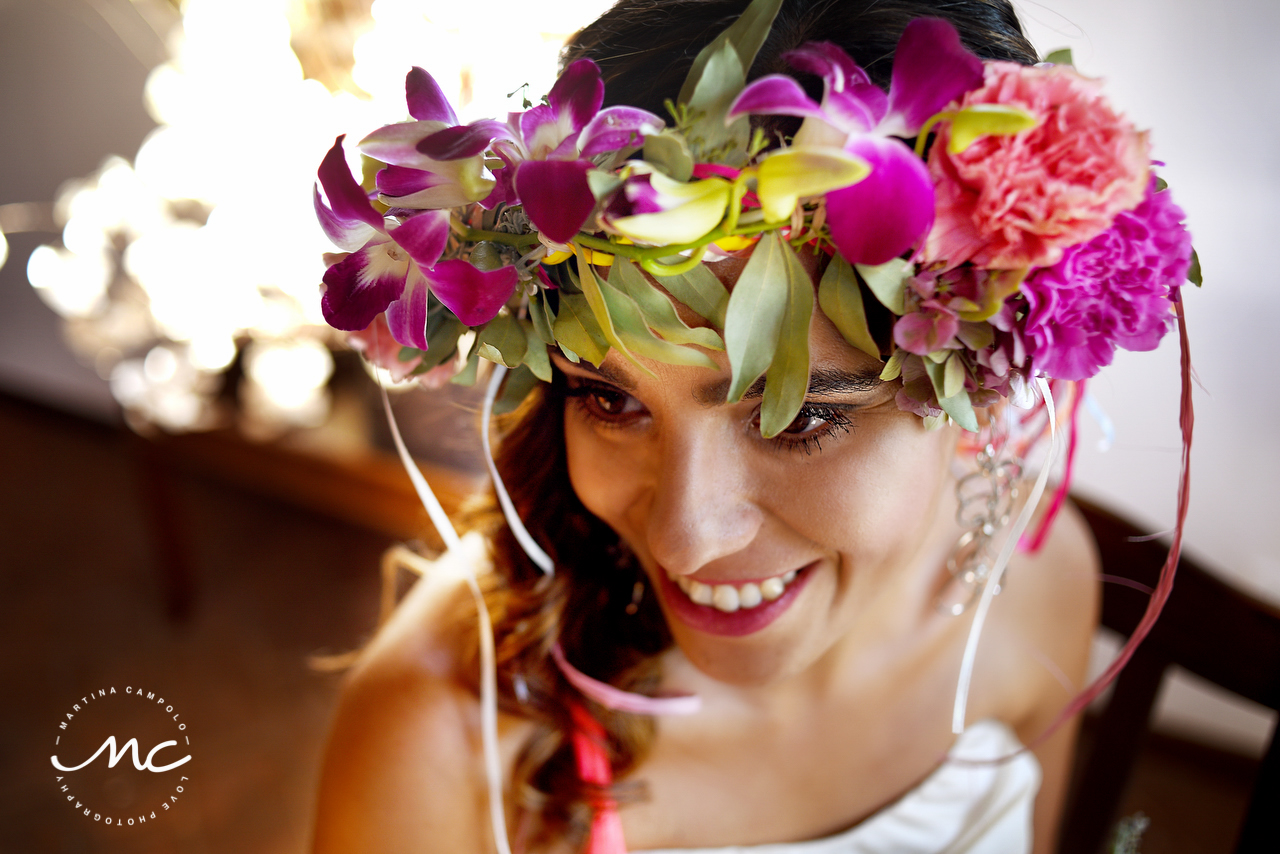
(789,577)
(683,583)
(771,588)
(699,592)
(725,598)
(749,595)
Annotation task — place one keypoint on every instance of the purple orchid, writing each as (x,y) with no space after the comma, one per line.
(392,264)
(547,161)
(886,213)
(452,171)
(435,162)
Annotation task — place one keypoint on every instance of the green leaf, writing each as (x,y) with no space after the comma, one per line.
(745,35)
(893,368)
(503,340)
(535,354)
(1061,56)
(787,382)
(658,312)
(958,406)
(701,291)
(624,327)
(542,317)
(1161,184)
(467,376)
(669,152)
(577,329)
(408,354)
(515,389)
(978,120)
(888,282)
(442,340)
(709,139)
(840,296)
(1194,274)
(602,183)
(953,375)
(976,335)
(753,319)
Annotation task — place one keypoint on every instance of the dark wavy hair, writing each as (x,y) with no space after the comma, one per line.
(594,605)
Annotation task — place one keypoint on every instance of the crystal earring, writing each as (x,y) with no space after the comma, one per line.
(985,499)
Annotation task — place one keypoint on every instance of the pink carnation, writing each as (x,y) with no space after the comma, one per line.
(1009,202)
(1114,291)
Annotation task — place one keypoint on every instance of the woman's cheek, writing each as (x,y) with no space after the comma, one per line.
(600,471)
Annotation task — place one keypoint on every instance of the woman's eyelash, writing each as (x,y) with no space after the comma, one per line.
(835,418)
(585,394)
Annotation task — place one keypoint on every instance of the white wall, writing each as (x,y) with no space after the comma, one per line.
(1205,77)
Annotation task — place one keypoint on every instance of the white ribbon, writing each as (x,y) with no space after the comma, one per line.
(532,549)
(1002,561)
(488,665)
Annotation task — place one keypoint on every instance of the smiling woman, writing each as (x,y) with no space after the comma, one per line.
(762,501)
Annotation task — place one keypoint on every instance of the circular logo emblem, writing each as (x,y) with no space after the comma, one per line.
(121,756)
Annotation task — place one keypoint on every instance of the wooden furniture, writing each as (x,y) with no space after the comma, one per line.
(1207,627)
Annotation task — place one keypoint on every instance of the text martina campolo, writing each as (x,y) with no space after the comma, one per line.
(68,758)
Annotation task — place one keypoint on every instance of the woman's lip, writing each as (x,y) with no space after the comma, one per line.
(713,621)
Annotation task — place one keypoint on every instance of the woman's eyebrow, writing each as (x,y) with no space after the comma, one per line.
(823,381)
(604,372)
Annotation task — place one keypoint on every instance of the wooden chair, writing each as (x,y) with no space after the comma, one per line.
(1207,627)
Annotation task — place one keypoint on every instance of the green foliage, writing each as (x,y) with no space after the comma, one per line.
(576,329)
(957,405)
(700,290)
(840,296)
(503,340)
(516,388)
(658,311)
(888,281)
(787,382)
(1194,274)
(753,319)
(623,326)
(1061,56)
(715,79)
(542,318)
(669,152)
(535,354)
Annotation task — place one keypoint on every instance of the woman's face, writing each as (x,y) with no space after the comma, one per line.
(764,553)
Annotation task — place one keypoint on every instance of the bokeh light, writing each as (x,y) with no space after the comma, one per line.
(205,248)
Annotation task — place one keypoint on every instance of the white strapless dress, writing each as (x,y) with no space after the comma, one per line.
(960,807)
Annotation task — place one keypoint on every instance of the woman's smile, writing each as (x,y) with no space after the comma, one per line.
(731,609)
(763,552)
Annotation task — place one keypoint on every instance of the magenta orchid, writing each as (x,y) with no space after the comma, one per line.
(891,209)
(391,265)
(550,162)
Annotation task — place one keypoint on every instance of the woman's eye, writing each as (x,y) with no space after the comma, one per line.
(605,403)
(811,425)
(804,424)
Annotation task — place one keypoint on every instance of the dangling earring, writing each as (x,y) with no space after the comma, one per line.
(985,499)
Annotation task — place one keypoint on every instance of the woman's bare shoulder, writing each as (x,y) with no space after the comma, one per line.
(401,768)
(1047,615)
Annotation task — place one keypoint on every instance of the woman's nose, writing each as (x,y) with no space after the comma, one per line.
(701,508)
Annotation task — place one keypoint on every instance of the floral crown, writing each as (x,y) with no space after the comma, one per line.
(1006,216)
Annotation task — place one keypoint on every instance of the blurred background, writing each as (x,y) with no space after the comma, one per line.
(195,486)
